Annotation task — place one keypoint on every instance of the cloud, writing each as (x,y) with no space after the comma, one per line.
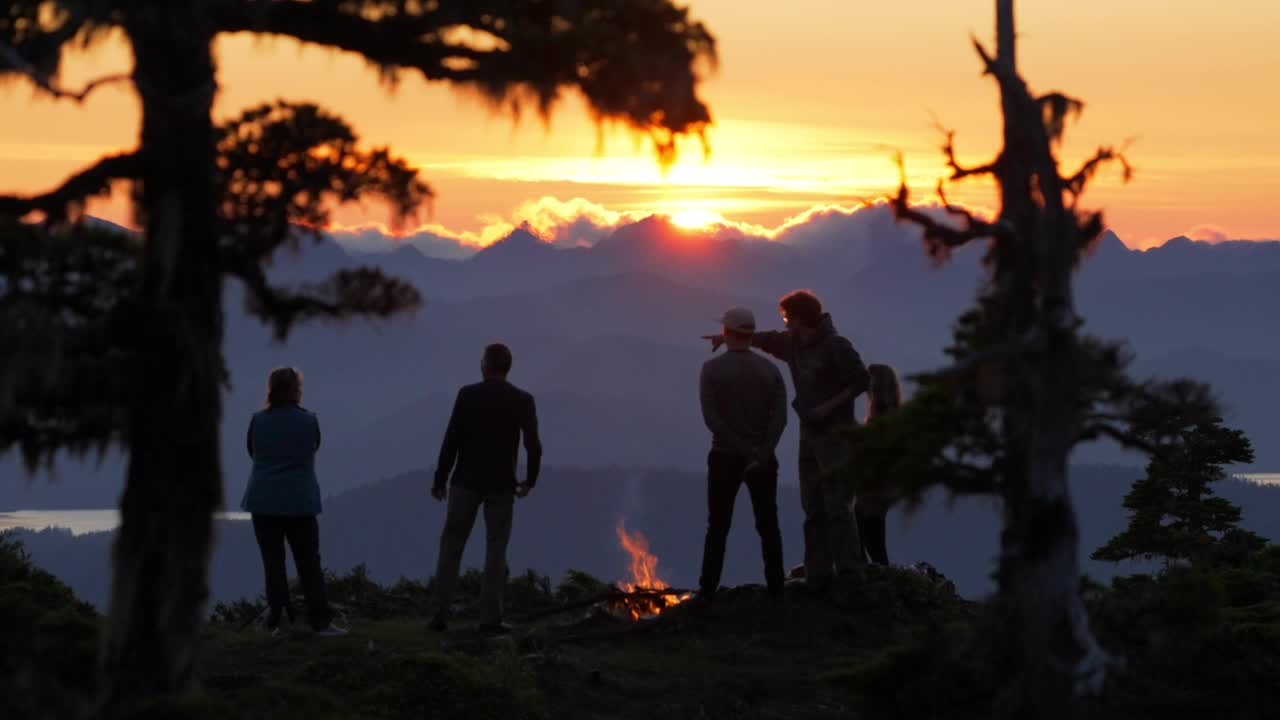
(849,230)
(1208,233)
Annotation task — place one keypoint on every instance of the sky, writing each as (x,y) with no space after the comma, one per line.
(811,100)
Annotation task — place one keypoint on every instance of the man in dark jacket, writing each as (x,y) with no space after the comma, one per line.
(828,374)
(488,421)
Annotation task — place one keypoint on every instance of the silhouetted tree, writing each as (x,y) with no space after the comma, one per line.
(1025,388)
(1173,512)
(120,340)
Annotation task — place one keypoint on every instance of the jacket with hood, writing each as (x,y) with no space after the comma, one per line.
(820,369)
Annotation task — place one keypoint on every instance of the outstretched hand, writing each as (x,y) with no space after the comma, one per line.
(716,341)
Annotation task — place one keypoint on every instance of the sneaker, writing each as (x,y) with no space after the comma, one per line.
(498,628)
(331,630)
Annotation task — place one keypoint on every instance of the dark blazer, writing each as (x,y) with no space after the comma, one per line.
(482,443)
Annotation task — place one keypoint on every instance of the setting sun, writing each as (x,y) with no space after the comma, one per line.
(696,219)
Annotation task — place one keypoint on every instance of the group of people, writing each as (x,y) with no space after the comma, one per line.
(744,404)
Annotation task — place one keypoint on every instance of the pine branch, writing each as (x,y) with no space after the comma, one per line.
(634,61)
(1097,430)
(94,180)
(357,292)
(12,60)
(964,479)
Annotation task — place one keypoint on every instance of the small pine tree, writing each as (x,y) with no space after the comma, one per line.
(1173,511)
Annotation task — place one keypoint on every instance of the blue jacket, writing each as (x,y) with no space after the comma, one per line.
(282,442)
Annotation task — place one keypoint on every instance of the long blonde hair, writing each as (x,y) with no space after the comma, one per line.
(884,391)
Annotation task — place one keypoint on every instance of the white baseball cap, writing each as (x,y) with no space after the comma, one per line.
(739,320)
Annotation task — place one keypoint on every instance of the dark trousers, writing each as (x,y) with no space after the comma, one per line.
(831,542)
(726,472)
(464,505)
(871,529)
(303,535)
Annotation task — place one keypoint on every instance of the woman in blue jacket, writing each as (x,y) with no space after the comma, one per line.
(284,498)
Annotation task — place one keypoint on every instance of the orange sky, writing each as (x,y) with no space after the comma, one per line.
(811,100)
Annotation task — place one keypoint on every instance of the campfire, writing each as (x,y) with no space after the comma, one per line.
(643,579)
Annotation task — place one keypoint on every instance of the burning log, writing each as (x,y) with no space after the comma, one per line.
(648,594)
(614,598)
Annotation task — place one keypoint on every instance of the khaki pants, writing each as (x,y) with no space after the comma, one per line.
(464,505)
(831,544)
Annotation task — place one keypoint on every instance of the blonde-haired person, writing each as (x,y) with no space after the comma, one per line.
(884,395)
(284,498)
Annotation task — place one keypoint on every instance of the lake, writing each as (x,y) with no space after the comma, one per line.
(79,522)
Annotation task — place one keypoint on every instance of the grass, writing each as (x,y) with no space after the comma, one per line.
(746,659)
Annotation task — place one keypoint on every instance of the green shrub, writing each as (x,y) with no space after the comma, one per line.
(48,641)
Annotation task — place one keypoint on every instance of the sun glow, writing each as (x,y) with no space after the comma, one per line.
(696,219)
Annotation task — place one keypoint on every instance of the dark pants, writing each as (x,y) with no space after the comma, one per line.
(726,472)
(464,504)
(871,529)
(303,535)
(831,543)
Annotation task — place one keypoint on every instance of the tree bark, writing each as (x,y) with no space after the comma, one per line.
(1040,564)
(174,481)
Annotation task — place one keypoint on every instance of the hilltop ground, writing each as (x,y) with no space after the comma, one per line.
(1196,642)
(746,659)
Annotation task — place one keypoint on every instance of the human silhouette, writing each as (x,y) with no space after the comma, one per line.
(884,395)
(283,497)
(479,452)
(744,404)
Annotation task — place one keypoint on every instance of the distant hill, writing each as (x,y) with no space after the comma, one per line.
(393,527)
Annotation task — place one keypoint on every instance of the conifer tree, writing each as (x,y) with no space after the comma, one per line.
(1174,514)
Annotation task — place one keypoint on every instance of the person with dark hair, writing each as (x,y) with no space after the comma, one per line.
(283,497)
(828,375)
(744,404)
(884,395)
(480,452)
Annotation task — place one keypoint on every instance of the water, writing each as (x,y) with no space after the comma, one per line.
(79,522)
(1261,478)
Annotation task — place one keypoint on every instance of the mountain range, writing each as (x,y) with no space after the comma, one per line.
(608,338)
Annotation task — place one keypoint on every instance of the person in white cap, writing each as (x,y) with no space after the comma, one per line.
(744,404)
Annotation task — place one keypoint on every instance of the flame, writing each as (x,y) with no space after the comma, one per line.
(643,576)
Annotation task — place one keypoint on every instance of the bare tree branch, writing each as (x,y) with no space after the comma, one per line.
(940,238)
(13,60)
(958,171)
(94,180)
(1075,184)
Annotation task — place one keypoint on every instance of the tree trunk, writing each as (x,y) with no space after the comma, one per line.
(174,482)
(1040,565)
